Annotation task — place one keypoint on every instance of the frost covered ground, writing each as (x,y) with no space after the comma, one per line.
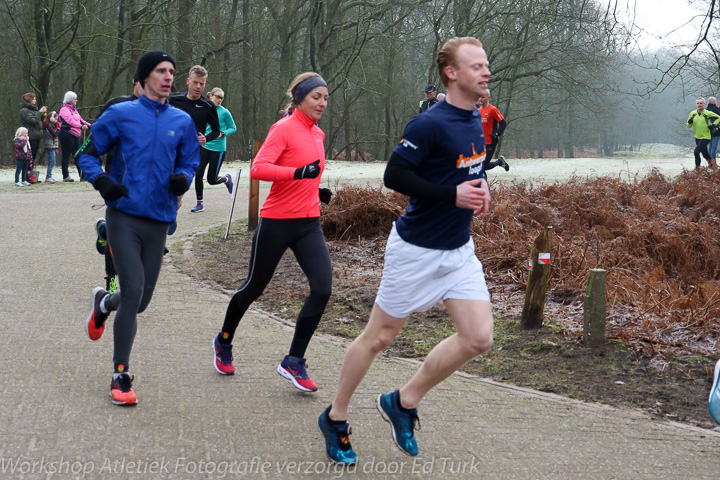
(670,160)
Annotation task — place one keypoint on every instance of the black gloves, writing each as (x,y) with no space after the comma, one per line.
(108,188)
(178,183)
(494,136)
(690,120)
(325,195)
(311,170)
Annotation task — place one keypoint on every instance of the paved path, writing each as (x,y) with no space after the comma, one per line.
(56,419)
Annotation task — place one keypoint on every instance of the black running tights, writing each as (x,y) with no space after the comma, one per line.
(137,245)
(489,152)
(304,236)
(213,161)
(69,144)
(701,148)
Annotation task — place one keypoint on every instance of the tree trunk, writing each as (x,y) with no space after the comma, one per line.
(247,120)
(539,278)
(595,308)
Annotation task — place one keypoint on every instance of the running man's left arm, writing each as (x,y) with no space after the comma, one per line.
(500,127)
(499,124)
(402,176)
(214,125)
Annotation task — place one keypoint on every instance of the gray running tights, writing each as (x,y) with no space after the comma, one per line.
(137,245)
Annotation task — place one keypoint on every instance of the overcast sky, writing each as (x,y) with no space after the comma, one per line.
(666,22)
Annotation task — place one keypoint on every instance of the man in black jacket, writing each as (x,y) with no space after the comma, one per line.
(715,134)
(430,100)
(201,110)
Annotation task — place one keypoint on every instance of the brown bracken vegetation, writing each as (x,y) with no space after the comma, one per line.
(658,240)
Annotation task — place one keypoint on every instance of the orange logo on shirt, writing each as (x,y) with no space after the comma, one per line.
(475,159)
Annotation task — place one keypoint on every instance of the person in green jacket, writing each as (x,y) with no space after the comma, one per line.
(700,120)
(31,117)
(212,153)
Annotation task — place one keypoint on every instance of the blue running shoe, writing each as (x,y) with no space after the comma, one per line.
(198,208)
(714,400)
(101,241)
(337,439)
(403,424)
(229,183)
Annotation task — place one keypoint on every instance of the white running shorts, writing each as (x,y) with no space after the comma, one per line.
(414,279)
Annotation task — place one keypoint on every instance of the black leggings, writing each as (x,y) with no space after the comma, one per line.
(110,271)
(213,160)
(489,152)
(137,245)
(304,236)
(701,147)
(35,146)
(69,144)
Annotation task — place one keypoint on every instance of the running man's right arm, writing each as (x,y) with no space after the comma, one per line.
(100,141)
(89,161)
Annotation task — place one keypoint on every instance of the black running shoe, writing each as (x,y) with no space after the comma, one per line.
(504,163)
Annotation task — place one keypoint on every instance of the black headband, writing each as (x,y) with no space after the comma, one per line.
(306,86)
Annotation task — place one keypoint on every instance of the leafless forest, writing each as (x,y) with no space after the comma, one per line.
(569,75)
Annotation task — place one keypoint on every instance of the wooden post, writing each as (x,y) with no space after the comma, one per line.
(595,308)
(538,280)
(254,194)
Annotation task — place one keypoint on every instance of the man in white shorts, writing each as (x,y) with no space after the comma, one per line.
(430,256)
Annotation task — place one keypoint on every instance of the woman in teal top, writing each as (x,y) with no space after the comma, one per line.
(212,153)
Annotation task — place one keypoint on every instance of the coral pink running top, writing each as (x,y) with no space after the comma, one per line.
(291,143)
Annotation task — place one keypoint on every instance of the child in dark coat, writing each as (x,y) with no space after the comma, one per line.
(23,154)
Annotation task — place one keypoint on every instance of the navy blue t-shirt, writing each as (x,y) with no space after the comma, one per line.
(448,145)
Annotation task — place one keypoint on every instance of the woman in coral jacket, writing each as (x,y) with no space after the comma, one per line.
(71,126)
(293,158)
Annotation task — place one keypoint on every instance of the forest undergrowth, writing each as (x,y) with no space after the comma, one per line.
(657,239)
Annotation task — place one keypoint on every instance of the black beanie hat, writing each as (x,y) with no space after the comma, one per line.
(148,62)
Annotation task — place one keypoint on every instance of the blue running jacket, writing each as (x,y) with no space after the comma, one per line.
(152,141)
